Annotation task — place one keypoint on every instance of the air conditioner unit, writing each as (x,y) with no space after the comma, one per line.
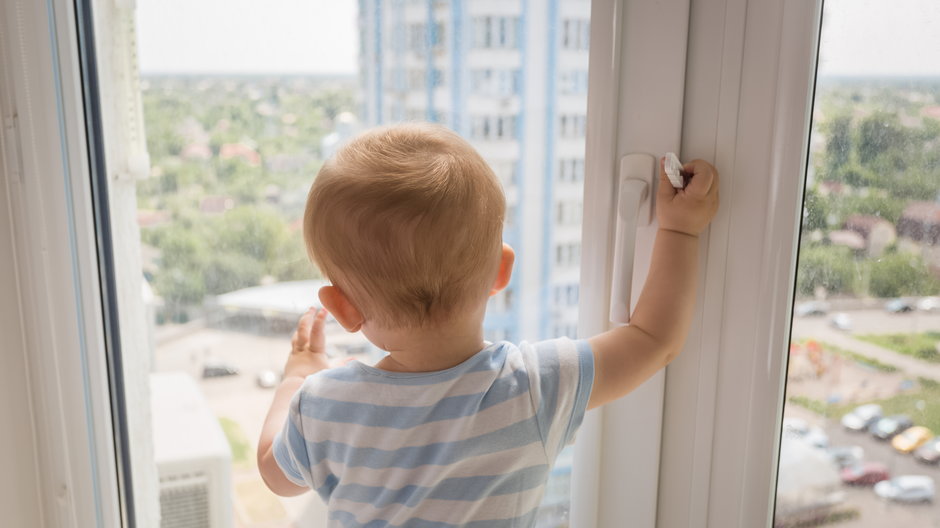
(192,455)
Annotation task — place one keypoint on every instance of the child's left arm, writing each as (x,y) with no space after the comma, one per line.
(308,356)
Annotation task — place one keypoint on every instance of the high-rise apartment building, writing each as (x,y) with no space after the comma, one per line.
(511,77)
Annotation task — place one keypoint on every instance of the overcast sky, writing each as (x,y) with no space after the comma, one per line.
(320,36)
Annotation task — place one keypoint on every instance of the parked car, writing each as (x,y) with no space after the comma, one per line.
(907,488)
(864,474)
(929,453)
(862,417)
(899,306)
(846,456)
(810,308)
(887,427)
(798,428)
(929,304)
(841,321)
(911,438)
(216,368)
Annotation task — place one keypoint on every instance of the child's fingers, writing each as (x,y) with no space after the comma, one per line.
(299,339)
(703,178)
(316,341)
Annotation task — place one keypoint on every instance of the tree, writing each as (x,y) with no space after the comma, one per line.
(815,211)
(899,274)
(839,141)
(830,267)
(878,134)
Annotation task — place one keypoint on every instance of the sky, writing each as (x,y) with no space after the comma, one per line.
(860,37)
(883,37)
(247,36)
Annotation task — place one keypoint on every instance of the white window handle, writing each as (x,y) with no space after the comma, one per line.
(634,209)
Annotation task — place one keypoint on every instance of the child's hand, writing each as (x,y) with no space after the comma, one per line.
(308,346)
(688,210)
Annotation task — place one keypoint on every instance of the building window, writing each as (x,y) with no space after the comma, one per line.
(572,125)
(437,77)
(417,40)
(495,82)
(496,32)
(575,34)
(566,294)
(568,213)
(492,128)
(568,255)
(571,170)
(573,82)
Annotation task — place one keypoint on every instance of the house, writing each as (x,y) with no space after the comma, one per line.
(920,223)
(876,232)
(919,232)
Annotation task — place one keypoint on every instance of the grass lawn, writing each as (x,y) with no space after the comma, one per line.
(921,346)
(241,448)
(927,391)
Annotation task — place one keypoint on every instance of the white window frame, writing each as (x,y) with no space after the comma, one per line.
(744,99)
(742,96)
(53,241)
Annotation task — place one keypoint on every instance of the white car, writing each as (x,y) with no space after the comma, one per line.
(846,456)
(812,435)
(929,304)
(906,488)
(810,308)
(863,416)
(841,321)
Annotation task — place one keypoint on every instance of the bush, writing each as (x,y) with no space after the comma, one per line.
(830,267)
(900,274)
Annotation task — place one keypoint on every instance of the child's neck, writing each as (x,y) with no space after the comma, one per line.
(430,349)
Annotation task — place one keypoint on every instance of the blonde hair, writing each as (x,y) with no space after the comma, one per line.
(407,221)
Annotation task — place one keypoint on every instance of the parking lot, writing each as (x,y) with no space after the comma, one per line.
(848,382)
(875,512)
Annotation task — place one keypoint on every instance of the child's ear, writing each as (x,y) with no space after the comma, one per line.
(336,302)
(506,259)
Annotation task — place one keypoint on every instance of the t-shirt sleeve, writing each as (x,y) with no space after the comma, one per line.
(561,375)
(290,447)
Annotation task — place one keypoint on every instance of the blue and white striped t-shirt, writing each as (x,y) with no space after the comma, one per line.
(472,445)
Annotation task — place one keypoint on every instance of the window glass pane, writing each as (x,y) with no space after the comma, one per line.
(862,411)
(241,103)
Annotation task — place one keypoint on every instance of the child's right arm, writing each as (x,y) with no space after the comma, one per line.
(627,356)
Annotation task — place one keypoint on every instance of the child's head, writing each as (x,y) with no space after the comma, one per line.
(407,221)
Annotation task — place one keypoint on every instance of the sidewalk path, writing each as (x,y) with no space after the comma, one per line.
(911,366)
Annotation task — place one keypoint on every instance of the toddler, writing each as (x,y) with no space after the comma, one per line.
(448,429)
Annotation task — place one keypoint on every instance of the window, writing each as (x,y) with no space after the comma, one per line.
(417,40)
(568,255)
(862,401)
(570,170)
(571,125)
(568,213)
(573,82)
(495,32)
(222,264)
(493,127)
(575,34)
(495,82)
